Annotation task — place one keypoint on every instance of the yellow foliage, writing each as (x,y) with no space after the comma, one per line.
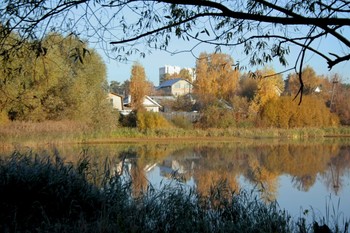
(283,112)
(215,116)
(139,86)
(310,81)
(151,120)
(4,118)
(269,86)
(215,77)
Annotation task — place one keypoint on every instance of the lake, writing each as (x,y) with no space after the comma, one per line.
(306,178)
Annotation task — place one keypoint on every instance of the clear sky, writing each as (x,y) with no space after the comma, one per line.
(118,71)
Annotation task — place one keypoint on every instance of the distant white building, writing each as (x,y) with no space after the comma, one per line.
(192,72)
(167,69)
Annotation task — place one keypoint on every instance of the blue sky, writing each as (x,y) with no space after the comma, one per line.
(118,71)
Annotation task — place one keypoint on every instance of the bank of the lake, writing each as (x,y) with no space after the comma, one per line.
(275,153)
(72,132)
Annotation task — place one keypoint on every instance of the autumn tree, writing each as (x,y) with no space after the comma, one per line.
(265,30)
(184,74)
(139,86)
(63,82)
(269,86)
(312,82)
(284,113)
(216,78)
(247,86)
(340,104)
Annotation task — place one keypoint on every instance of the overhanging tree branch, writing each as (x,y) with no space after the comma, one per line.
(230,21)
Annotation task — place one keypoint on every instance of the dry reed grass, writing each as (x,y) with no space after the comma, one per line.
(23,128)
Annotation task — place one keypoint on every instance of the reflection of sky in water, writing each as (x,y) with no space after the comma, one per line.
(317,199)
(319,195)
(295,201)
(156,179)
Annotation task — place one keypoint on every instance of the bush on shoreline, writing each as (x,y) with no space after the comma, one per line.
(63,132)
(44,194)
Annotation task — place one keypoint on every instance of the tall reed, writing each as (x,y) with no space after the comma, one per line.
(41,193)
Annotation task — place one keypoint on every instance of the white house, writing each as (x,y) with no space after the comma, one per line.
(149,104)
(175,87)
(116,101)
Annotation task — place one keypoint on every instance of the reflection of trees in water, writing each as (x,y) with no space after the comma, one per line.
(265,179)
(303,183)
(259,164)
(215,165)
(139,157)
(302,162)
(206,179)
(138,176)
(262,165)
(338,166)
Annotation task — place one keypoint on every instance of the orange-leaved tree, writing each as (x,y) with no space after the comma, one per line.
(139,86)
(215,77)
(269,86)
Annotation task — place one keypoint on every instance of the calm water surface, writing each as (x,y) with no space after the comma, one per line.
(302,177)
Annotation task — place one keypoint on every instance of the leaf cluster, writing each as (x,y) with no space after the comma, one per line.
(54,79)
(151,120)
(216,116)
(283,112)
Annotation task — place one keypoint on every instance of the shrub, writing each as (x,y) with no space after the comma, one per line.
(283,112)
(4,118)
(36,192)
(182,122)
(151,120)
(215,116)
(128,120)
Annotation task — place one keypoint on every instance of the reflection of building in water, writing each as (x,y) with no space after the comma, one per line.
(122,168)
(173,169)
(125,165)
(132,170)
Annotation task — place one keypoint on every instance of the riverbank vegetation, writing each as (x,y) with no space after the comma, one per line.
(42,193)
(56,89)
(57,79)
(35,133)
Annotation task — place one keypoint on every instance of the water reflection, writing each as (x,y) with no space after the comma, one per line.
(277,170)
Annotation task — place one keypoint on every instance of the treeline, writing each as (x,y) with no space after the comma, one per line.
(224,97)
(263,98)
(57,78)
(61,78)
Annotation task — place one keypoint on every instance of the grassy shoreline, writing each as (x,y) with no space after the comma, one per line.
(75,133)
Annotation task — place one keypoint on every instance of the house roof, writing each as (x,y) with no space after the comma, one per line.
(152,102)
(115,94)
(169,82)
